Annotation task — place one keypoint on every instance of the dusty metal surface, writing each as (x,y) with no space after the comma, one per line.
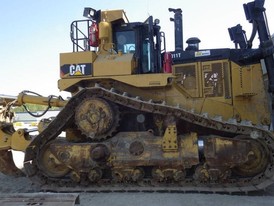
(258,182)
(7,165)
(45,199)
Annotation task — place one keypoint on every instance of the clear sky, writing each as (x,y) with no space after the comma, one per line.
(34,32)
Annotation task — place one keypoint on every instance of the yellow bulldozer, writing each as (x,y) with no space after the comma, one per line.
(142,118)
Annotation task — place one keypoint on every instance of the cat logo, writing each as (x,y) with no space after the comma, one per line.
(76,70)
(81,69)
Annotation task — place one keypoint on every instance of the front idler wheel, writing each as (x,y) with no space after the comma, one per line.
(50,165)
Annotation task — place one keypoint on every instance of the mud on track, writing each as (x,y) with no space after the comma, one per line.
(11,185)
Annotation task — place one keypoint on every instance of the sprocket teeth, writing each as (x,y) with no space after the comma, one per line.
(96,118)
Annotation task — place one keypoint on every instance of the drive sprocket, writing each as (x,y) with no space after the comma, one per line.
(96,118)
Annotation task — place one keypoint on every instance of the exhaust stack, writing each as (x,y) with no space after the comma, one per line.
(178,28)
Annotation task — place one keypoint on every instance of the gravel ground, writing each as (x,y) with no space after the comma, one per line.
(11,185)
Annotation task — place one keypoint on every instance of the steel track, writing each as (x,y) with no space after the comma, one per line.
(258,182)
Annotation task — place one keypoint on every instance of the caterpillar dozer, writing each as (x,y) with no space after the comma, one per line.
(142,118)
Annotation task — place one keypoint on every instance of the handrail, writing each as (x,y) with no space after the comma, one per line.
(79,32)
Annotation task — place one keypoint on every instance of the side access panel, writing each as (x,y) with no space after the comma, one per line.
(76,64)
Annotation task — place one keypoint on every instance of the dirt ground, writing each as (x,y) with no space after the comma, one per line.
(11,185)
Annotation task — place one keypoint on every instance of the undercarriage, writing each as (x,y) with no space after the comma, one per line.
(117,141)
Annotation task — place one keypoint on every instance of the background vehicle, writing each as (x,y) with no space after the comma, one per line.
(190,119)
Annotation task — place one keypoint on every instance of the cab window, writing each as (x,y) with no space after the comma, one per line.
(125,41)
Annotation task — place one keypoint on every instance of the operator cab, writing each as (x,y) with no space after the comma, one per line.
(142,39)
(138,38)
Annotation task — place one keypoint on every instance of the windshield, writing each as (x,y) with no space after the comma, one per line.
(125,41)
